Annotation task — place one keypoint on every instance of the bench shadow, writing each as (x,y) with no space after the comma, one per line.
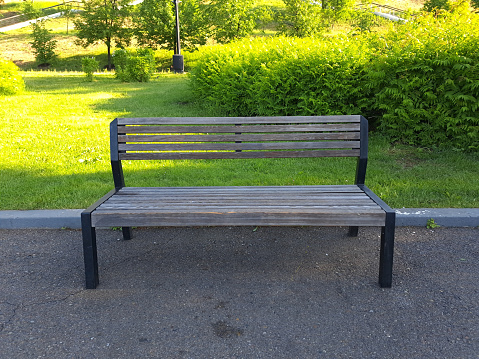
(175,258)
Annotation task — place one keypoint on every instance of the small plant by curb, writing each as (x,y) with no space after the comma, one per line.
(431,224)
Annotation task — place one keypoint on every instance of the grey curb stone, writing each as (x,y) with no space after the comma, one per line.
(61,218)
(447,217)
(70,218)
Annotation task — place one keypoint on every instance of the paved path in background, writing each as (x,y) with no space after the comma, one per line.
(240,293)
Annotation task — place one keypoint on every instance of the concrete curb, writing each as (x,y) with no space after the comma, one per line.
(447,217)
(61,218)
(70,218)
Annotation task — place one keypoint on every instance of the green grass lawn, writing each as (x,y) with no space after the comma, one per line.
(55,150)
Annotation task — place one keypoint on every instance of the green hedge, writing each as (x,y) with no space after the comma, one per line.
(418,82)
(134,65)
(11,82)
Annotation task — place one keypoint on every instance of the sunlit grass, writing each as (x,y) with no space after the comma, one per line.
(55,150)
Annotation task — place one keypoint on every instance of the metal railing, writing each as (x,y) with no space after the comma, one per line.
(381,8)
(15,19)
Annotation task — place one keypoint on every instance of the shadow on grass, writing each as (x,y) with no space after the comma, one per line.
(45,189)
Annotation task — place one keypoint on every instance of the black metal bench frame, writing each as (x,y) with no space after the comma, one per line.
(239,138)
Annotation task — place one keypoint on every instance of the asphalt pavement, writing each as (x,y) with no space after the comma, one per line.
(240,292)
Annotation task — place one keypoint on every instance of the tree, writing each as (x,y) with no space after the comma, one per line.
(301,18)
(104,21)
(460,6)
(155,24)
(29,10)
(67,12)
(43,43)
(194,25)
(232,19)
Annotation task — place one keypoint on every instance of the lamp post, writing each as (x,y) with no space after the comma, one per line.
(178,65)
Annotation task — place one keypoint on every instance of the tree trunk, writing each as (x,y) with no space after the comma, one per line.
(108,45)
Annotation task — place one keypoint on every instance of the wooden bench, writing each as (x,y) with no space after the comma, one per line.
(239,138)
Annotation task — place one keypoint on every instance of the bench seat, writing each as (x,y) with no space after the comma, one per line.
(239,206)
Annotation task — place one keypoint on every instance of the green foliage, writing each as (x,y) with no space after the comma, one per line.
(300,18)
(131,65)
(431,224)
(106,21)
(364,21)
(282,76)
(310,18)
(417,83)
(30,11)
(155,24)
(89,66)
(11,82)
(232,19)
(67,12)
(460,6)
(424,82)
(194,25)
(43,43)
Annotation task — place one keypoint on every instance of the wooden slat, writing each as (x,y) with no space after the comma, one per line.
(241,137)
(244,129)
(245,146)
(237,155)
(237,219)
(235,120)
(307,189)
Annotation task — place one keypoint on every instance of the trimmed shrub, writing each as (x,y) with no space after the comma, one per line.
(282,76)
(89,66)
(417,83)
(134,65)
(424,85)
(11,82)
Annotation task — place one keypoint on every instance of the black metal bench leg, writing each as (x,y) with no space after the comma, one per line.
(126,233)
(89,252)
(387,252)
(353,231)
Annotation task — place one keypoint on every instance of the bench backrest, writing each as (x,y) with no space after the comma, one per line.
(165,138)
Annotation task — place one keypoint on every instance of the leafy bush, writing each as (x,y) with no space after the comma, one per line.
(134,65)
(424,84)
(418,83)
(11,82)
(89,66)
(281,75)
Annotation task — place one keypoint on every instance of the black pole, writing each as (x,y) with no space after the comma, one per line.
(178,65)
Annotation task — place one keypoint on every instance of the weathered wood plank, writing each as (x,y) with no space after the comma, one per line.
(231,204)
(229,189)
(245,146)
(235,120)
(241,137)
(194,129)
(238,155)
(235,219)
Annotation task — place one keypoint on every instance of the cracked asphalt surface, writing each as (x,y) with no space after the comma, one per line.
(240,293)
